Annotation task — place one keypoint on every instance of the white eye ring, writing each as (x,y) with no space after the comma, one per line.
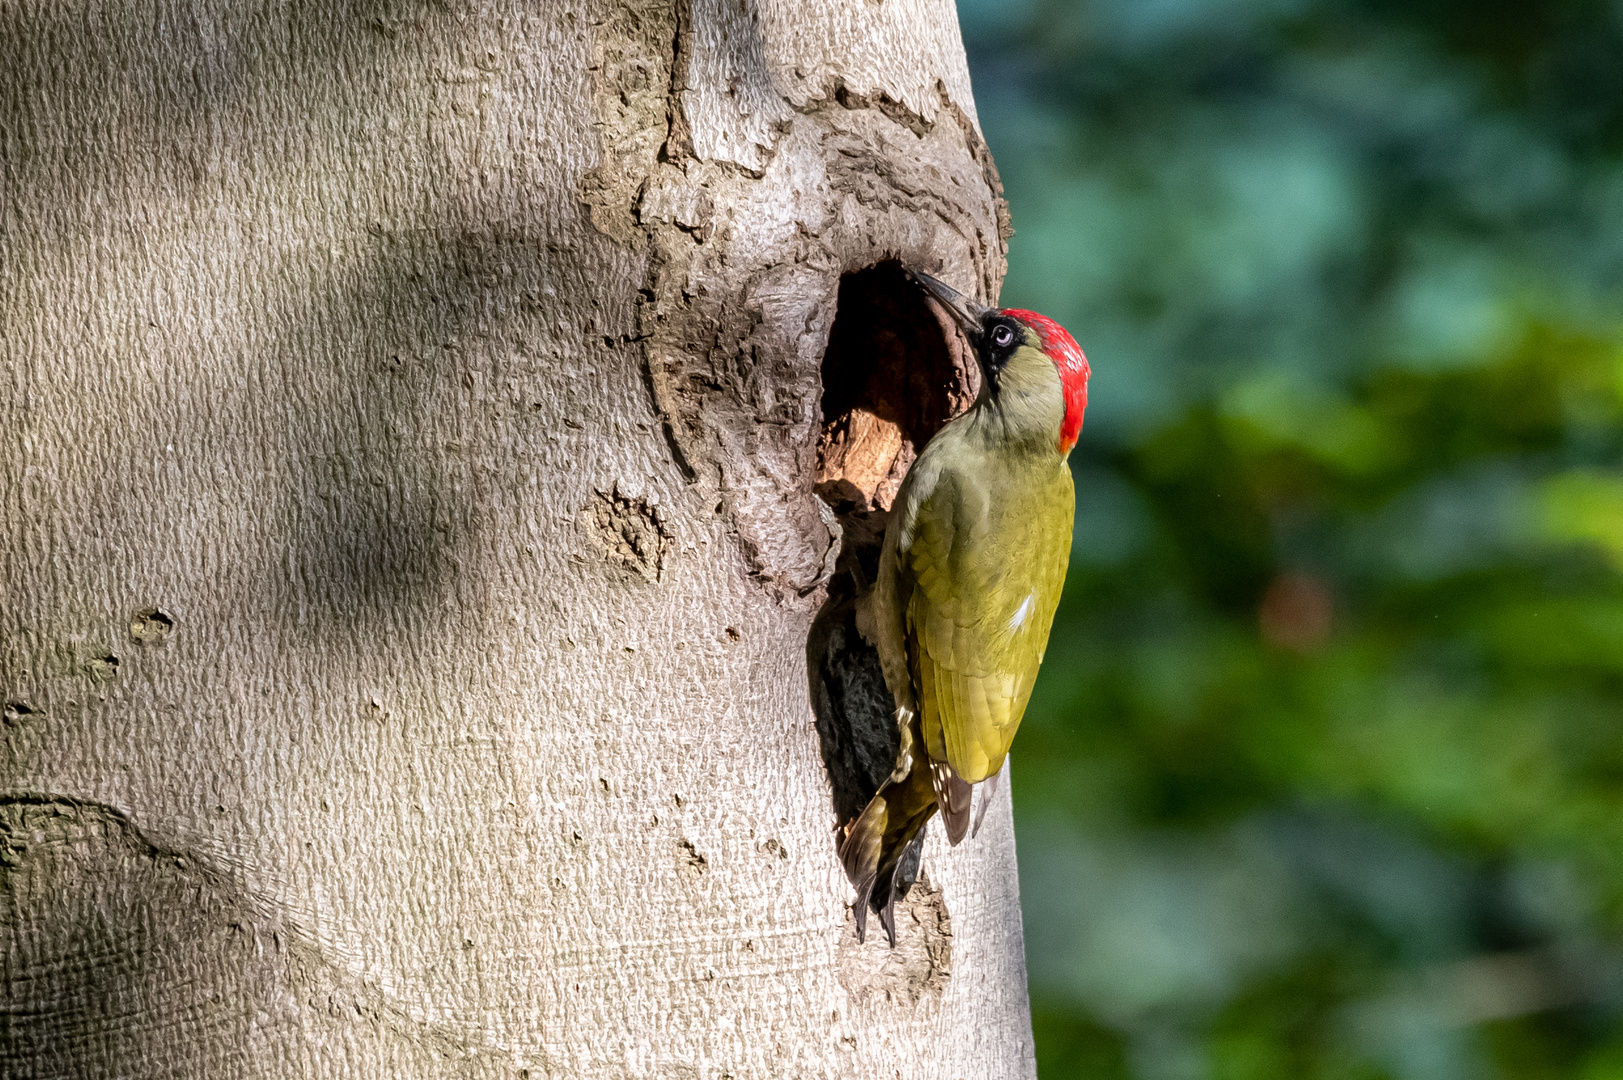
(1002,335)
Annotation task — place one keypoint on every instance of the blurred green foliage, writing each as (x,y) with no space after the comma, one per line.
(1324,773)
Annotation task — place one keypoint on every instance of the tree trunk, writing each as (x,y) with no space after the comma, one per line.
(413,580)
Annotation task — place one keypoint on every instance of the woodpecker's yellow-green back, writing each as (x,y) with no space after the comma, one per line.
(980,573)
(972,569)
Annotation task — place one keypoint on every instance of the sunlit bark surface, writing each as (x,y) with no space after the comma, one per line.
(411,421)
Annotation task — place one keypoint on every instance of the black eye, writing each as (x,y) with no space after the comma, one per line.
(1002,336)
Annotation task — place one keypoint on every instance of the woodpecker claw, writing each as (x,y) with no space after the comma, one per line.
(904,753)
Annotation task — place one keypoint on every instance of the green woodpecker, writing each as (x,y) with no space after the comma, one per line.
(973,562)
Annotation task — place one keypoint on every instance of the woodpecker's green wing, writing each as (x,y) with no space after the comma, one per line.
(985,559)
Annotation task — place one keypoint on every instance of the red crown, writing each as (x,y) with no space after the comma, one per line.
(1067,355)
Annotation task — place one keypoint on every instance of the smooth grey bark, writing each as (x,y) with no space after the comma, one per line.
(412,417)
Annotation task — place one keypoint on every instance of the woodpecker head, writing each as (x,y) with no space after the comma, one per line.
(1005,338)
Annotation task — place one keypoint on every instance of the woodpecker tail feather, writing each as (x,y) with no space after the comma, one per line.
(906,873)
(988,792)
(881,850)
(952,794)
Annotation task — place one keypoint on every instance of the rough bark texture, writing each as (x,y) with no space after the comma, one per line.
(410,550)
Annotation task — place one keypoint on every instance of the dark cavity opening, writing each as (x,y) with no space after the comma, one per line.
(895,370)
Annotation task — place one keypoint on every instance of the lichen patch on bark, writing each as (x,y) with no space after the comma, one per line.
(630,532)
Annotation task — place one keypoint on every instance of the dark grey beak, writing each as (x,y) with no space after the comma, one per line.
(965,312)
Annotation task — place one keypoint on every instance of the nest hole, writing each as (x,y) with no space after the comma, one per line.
(895,370)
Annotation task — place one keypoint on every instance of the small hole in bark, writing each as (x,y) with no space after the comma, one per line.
(894,372)
(103,667)
(150,626)
(692,857)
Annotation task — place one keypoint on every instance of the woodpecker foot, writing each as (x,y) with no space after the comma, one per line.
(904,754)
